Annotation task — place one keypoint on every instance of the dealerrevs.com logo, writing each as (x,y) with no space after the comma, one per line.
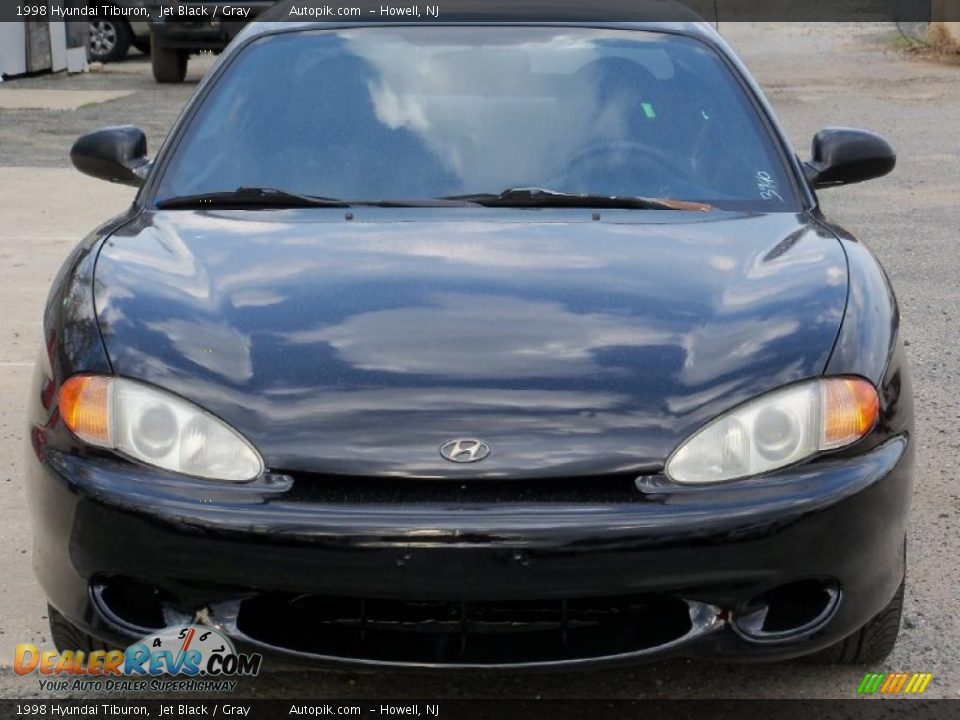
(191,657)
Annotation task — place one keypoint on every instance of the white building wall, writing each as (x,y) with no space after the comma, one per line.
(13,48)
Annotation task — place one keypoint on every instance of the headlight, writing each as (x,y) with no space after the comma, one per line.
(781,428)
(156,427)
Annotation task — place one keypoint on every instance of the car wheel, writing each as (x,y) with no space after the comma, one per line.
(871,643)
(142,44)
(169,65)
(109,40)
(67,636)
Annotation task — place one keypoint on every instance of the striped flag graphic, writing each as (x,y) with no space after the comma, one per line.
(894,683)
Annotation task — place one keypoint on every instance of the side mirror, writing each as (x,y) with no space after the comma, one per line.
(843,155)
(116,154)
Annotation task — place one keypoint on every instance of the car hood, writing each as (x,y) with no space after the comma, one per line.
(572,346)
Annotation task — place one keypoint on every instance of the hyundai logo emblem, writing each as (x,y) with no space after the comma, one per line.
(464,450)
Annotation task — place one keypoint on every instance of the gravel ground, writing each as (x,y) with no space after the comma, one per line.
(815,75)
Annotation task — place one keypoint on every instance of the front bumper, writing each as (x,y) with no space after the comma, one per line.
(668,571)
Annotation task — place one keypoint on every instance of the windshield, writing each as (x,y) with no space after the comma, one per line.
(412,112)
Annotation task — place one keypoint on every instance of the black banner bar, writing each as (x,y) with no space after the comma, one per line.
(439,11)
(486,709)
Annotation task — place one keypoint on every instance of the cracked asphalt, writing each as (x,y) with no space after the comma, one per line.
(815,75)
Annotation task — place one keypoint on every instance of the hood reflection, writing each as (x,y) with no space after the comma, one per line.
(467,336)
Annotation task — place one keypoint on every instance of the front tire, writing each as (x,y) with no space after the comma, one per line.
(169,65)
(870,644)
(67,636)
(109,40)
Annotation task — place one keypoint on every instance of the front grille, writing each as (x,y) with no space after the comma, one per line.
(463,633)
(334,489)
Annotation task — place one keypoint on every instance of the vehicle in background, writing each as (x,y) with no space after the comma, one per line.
(112,36)
(174,40)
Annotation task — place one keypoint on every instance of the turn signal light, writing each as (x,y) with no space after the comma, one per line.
(85,408)
(850,410)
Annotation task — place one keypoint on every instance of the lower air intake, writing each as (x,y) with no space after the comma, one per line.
(463,633)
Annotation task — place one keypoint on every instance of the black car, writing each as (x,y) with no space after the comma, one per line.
(181,28)
(476,345)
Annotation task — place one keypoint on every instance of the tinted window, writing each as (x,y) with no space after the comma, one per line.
(390,113)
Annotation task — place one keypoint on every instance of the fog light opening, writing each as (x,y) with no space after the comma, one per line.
(129,603)
(792,609)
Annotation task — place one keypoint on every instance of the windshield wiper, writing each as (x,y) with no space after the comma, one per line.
(544,197)
(247,197)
